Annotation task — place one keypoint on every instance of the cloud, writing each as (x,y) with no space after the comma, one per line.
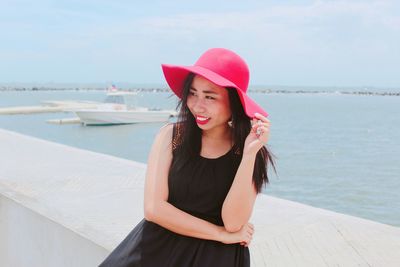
(291,18)
(306,40)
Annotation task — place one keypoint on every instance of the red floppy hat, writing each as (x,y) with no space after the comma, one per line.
(220,66)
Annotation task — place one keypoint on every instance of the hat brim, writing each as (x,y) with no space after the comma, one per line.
(176,75)
(249,106)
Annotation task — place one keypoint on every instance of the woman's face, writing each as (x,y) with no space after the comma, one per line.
(209,104)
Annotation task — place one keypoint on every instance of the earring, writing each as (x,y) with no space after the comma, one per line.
(230,123)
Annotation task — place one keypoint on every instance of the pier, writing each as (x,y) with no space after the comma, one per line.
(64,206)
(49,107)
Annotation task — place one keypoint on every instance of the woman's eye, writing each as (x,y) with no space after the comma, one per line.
(207,97)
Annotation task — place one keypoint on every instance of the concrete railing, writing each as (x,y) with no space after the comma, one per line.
(63,206)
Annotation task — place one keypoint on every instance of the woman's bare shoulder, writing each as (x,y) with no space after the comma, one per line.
(163,138)
(166,130)
(167,126)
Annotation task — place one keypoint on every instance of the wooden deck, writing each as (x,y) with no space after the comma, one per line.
(100,197)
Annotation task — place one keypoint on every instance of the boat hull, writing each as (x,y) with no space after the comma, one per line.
(96,117)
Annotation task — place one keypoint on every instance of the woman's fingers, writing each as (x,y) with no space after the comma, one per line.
(250,227)
(262,134)
(260,123)
(247,243)
(260,117)
(247,234)
(260,127)
(264,129)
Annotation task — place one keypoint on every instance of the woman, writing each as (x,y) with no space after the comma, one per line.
(204,172)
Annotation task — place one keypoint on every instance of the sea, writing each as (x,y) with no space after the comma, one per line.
(335,148)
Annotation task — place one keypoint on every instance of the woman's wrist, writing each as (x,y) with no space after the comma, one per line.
(249,156)
(220,233)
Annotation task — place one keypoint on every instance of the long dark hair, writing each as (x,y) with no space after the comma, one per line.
(190,139)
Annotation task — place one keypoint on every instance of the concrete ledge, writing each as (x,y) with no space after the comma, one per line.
(30,239)
(63,206)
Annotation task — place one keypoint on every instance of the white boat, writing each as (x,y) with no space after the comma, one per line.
(120,107)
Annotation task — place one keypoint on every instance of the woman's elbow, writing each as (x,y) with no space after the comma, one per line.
(152,210)
(232,222)
(149,212)
(232,227)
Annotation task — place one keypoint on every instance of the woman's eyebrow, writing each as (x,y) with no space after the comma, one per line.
(206,91)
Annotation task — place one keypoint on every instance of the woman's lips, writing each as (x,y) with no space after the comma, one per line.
(202,120)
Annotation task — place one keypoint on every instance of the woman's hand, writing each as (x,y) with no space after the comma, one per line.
(258,136)
(243,236)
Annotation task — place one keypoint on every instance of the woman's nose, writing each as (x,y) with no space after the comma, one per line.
(199,105)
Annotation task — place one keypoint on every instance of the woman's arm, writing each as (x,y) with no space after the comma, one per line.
(238,204)
(156,207)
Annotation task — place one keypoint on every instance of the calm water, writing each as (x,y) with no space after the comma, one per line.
(334,151)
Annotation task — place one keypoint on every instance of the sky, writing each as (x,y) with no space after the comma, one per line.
(293,43)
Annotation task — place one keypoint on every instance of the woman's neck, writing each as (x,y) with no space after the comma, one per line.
(217,134)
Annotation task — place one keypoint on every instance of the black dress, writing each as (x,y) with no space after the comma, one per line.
(199,188)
